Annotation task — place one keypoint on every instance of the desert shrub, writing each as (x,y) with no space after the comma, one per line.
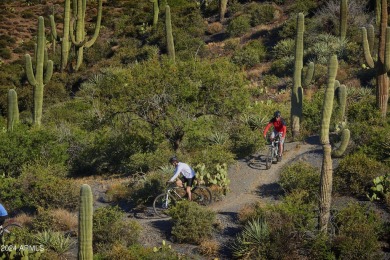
(11,196)
(110,228)
(251,54)
(320,247)
(5,53)
(143,191)
(300,176)
(284,48)
(209,247)
(250,212)
(24,146)
(213,155)
(254,241)
(312,113)
(43,186)
(238,25)
(363,110)
(245,141)
(215,27)
(283,67)
(358,233)
(304,6)
(355,173)
(261,13)
(138,251)
(191,222)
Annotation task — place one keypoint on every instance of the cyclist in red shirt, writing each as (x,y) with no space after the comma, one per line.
(279,127)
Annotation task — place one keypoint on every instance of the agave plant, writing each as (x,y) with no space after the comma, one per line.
(55,241)
(253,241)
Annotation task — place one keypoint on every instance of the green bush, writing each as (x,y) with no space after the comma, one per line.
(261,13)
(358,233)
(144,191)
(44,186)
(355,173)
(191,222)
(238,26)
(251,54)
(23,146)
(109,228)
(300,176)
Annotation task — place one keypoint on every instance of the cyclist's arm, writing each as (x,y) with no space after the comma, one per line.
(176,174)
(266,129)
(284,130)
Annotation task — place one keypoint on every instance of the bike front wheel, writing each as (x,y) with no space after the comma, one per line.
(10,230)
(202,195)
(269,158)
(162,203)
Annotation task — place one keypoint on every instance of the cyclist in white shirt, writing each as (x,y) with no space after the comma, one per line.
(188,175)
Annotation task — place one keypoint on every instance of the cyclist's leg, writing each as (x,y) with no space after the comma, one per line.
(281,145)
(189,182)
(2,219)
(272,136)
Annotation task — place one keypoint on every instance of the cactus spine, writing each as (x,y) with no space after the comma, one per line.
(65,40)
(78,36)
(382,65)
(156,11)
(343,19)
(13,110)
(85,251)
(297,91)
(222,9)
(168,29)
(40,78)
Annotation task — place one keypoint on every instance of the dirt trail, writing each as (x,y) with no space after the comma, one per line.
(250,182)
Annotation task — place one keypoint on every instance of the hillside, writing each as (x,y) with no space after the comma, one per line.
(200,81)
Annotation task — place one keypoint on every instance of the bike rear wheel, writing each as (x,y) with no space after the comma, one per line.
(162,203)
(201,195)
(269,158)
(10,230)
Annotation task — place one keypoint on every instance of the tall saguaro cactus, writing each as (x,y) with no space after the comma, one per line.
(40,78)
(85,251)
(327,170)
(168,29)
(13,110)
(382,64)
(343,19)
(156,11)
(79,39)
(222,9)
(65,40)
(297,91)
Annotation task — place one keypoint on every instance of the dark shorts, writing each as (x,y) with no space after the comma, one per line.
(189,181)
(2,219)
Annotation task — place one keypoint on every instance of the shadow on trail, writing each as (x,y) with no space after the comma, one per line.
(230,233)
(257,162)
(273,190)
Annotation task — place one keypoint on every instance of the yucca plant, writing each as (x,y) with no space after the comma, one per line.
(55,241)
(253,241)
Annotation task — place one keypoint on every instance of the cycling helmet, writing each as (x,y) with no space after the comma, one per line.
(277,114)
(173,159)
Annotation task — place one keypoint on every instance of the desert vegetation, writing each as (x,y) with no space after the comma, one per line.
(112,89)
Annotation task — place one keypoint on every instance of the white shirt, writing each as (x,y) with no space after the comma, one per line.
(184,169)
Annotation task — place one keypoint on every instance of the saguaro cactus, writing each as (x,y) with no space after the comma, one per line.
(85,251)
(13,110)
(78,36)
(156,11)
(222,9)
(40,78)
(65,40)
(297,91)
(343,19)
(327,168)
(382,64)
(168,29)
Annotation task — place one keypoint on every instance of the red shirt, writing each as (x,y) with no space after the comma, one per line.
(279,126)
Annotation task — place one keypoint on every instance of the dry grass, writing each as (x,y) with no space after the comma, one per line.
(23,219)
(209,248)
(64,219)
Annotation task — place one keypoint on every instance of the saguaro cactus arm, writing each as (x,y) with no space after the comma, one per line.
(156,11)
(85,251)
(13,110)
(345,136)
(168,28)
(366,49)
(343,19)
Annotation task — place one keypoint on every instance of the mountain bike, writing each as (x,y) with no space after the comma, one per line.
(200,194)
(273,151)
(6,230)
